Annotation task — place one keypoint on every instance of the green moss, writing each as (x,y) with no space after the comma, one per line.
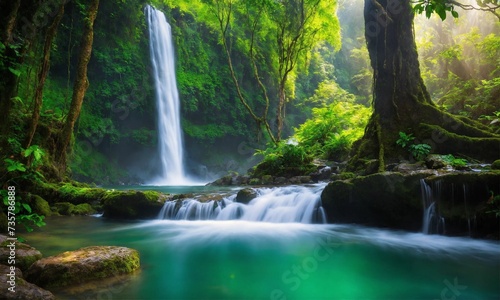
(82,209)
(64,208)
(132,204)
(40,206)
(496,165)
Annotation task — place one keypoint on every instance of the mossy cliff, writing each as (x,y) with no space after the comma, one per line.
(465,200)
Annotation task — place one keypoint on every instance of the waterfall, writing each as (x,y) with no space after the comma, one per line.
(277,205)
(432,222)
(167,100)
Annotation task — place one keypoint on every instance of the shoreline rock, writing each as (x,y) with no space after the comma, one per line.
(83,265)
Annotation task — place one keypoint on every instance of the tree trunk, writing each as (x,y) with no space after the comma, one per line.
(81,83)
(400,99)
(42,74)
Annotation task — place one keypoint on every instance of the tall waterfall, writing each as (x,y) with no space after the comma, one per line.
(276,205)
(167,100)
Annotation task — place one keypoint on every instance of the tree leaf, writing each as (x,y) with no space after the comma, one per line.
(15,71)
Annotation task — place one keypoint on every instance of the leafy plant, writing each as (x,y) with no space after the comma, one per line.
(24,214)
(453,161)
(404,139)
(286,159)
(17,170)
(418,151)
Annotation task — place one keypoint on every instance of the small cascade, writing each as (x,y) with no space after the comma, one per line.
(277,205)
(432,222)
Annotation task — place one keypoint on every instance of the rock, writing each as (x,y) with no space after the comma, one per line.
(267,179)
(25,254)
(280,180)
(63,208)
(300,179)
(323,173)
(40,206)
(371,167)
(463,199)
(69,209)
(83,209)
(83,265)
(387,199)
(496,165)
(132,204)
(23,289)
(394,200)
(407,168)
(246,195)
(435,161)
(254,181)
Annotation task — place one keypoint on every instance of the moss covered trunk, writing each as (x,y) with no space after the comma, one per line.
(43,72)
(400,99)
(81,83)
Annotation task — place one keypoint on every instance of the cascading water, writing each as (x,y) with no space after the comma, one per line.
(278,205)
(432,222)
(167,100)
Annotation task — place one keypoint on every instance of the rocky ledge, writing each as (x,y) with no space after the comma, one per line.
(457,203)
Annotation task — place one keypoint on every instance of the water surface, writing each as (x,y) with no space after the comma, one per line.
(258,260)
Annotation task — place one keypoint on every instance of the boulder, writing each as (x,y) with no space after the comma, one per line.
(25,254)
(389,199)
(83,265)
(132,204)
(496,165)
(464,201)
(435,161)
(246,195)
(23,290)
(69,209)
(323,173)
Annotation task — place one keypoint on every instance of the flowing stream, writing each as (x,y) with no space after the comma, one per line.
(278,257)
(167,100)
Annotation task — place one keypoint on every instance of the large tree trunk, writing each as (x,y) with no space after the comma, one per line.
(42,74)
(400,99)
(81,84)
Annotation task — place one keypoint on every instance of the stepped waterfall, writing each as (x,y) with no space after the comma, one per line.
(171,148)
(291,204)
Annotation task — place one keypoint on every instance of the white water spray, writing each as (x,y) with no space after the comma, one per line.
(276,205)
(167,100)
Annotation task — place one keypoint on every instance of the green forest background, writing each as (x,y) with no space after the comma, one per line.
(328,99)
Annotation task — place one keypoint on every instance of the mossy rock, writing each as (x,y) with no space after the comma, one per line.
(40,205)
(83,265)
(63,208)
(25,254)
(246,195)
(496,165)
(388,199)
(23,289)
(75,193)
(132,204)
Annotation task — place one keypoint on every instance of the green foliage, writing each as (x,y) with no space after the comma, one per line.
(493,205)
(332,129)
(404,139)
(18,171)
(418,151)
(440,7)
(454,161)
(285,159)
